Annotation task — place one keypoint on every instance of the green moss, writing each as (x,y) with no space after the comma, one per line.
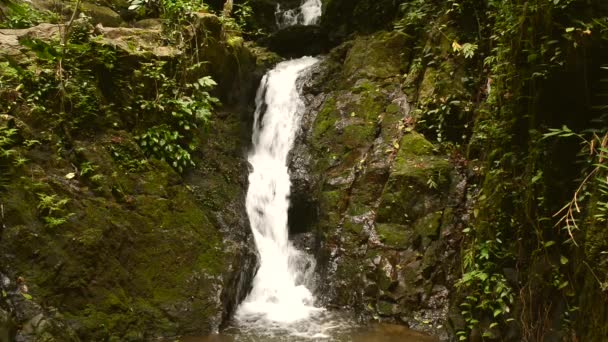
(354,227)
(119,251)
(393,108)
(416,183)
(364,86)
(428,226)
(379,56)
(413,144)
(354,135)
(325,120)
(395,235)
(422,169)
(331,200)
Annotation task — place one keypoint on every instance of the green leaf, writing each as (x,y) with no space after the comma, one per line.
(207,82)
(538,176)
(563,260)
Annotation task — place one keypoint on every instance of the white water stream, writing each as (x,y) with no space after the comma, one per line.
(280,298)
(281,302)
(278,291)
(308,13)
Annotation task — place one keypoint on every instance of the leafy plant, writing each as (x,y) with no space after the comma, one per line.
(467,49)
(7,140)
(20,15)
(180,109)
(52,210)
(164,144)
(176,11)
(596,149)
(87,168)
(488,291)
(414,14)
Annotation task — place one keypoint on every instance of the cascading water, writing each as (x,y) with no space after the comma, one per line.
(280,298)
(278,294)
(308,13)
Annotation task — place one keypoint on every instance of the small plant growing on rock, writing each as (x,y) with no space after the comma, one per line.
(52,209)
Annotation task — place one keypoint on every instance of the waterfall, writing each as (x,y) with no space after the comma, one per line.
(280,298)
(308,13)
(279,293)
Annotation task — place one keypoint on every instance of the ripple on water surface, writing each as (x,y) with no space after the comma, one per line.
(323,326)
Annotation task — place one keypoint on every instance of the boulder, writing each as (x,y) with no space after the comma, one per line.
(298,40)
(102,15)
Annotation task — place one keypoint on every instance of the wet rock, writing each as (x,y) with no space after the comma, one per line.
(388,309)
(298,40)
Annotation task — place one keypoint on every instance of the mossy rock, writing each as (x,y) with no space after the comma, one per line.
(106,266)
(379,56)
(395,235)
(417,182)
(102,15)
(428,226)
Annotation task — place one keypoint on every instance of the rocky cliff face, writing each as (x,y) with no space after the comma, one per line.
(387,204)
(376,188)
(98,241)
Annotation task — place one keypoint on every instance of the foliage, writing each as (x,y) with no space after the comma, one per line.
(590,199)
(9,153)
(183,108)
(21,15)
(488,291)
(415,14)
(63,85)
(87,169)
(164,144)
(242,22)
(521,45)
(52,209)
(127,157)
(440,116)
(467,49)
(171,108)
(7,140)
(176,12)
